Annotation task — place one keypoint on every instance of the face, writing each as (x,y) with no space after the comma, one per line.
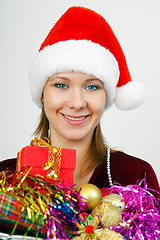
(74,103)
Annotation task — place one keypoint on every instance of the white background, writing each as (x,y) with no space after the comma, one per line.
(23,26)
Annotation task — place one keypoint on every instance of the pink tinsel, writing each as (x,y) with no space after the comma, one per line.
(140,217)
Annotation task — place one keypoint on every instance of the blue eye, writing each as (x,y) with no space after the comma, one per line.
(92,87)
(60,85)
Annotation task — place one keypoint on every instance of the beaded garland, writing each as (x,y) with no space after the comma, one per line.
(108,166)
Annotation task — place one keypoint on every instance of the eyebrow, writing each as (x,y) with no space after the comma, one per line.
(94,79)
(67,79)
(55,77)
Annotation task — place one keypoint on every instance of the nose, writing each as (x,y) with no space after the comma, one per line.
(76,99)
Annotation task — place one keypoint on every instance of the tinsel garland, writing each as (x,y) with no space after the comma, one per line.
(52,206)
(140,217)
(56,209)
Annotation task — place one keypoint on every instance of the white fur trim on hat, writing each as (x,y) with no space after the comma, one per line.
(74,55)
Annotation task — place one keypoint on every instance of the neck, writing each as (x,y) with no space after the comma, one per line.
(84,162)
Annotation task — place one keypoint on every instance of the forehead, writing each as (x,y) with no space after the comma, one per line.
(75,76)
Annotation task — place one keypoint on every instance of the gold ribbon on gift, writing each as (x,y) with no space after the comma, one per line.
(54,157)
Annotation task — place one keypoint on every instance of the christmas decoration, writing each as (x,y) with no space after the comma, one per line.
(47,206)
(89,230)
(107,213)
(116,200)
(141,217)
(39,204)
(53,209)
(91,194)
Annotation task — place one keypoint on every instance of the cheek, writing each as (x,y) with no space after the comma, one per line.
(98,103)
(51,101)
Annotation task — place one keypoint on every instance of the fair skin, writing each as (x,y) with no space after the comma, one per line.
(74,103)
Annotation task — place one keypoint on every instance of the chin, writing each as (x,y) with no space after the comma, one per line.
(76,136)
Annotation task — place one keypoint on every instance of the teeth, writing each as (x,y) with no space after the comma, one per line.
(75,119)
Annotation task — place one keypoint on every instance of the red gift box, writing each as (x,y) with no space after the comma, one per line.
(38,156)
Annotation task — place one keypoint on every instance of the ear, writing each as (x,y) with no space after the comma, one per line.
(42,99)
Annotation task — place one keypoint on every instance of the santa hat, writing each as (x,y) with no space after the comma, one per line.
(83,41)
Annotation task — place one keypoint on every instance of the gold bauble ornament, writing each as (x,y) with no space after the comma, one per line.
(111,217)
(115,200)
(108,214)
(108,210)
(92,195)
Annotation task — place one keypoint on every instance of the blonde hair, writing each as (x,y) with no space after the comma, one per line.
(97,149)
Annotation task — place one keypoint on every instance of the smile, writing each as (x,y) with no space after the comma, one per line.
(74,118)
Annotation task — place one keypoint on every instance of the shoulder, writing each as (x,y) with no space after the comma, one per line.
(123,167)
(127,162)
(8,164)
(124,164)
(125,170)
(127,167)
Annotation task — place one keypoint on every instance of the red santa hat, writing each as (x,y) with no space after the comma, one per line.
(83,41)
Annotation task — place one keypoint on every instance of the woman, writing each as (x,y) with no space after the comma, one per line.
(79,72)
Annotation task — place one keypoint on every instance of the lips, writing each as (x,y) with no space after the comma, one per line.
(75,120)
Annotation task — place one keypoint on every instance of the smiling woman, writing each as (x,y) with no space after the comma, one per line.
(78,73)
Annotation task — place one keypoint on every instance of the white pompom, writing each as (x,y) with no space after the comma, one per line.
(130,96)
